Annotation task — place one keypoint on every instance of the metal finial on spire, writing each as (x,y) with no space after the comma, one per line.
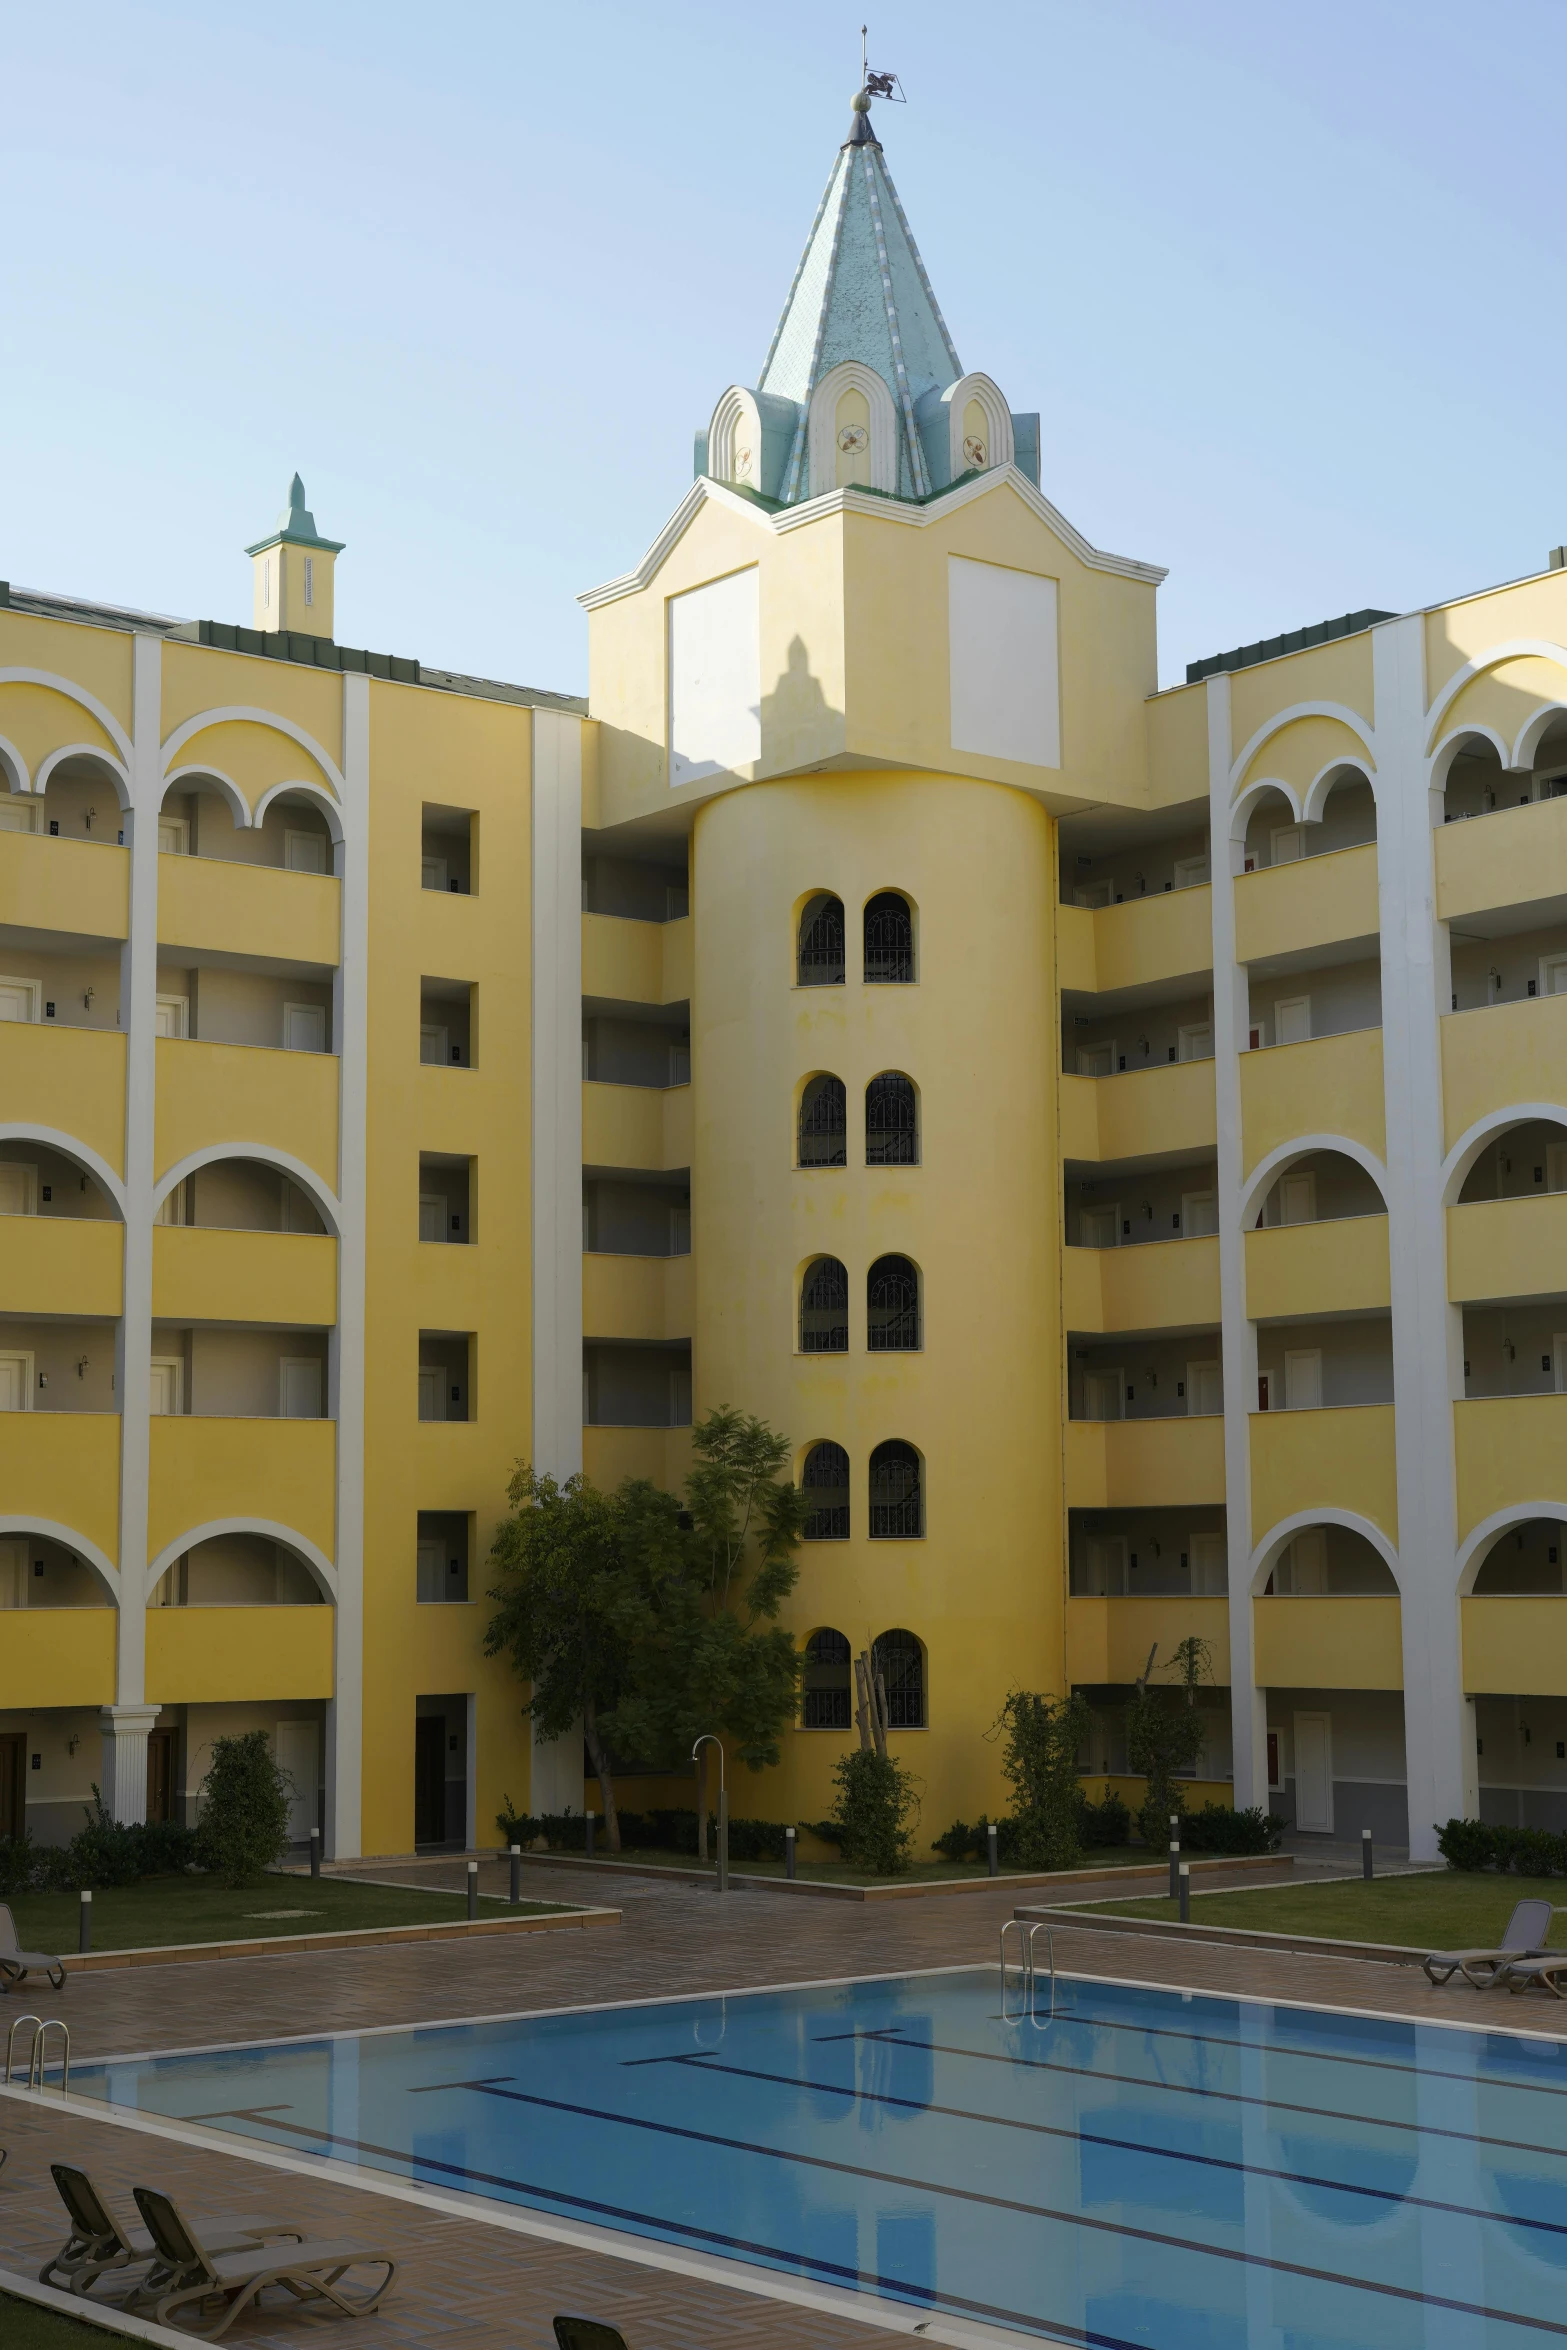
(872,85)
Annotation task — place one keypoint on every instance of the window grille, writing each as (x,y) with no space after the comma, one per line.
(889,938)
(897,1502)
(892,1307)
(825,1484)
(824,1124)
(900,1660)
(824,1308)
(891,1122)
(828,1674)
(821,959)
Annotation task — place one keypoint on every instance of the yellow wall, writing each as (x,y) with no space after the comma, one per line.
(1301,1270)
(201,1275)
(204,903)
(1333,1085)
(61,1265)
(1162,1284)
(57,1656)
(1507,1248)
(231,1655)
(212,1093)
(205,1469)
(1108,1640)
(1287,909)
(1501,1054)
(72,1079)
(1512,857)
(1508,1449)
(64,1466)
(1513,1647)
(79,886)
(1321,1643)
(1143,1464)
(1312,1460)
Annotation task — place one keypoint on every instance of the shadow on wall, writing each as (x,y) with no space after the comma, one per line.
(798,721)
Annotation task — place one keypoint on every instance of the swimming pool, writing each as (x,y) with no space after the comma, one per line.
(1146,2168)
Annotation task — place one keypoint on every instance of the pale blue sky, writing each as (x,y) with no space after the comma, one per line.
(1286,284)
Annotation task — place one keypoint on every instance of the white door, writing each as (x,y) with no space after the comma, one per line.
(1106,1561)
(304,1028)
(299,1387)
(1303,1381)
(17,814)
(1553,975)
(433,1046)
(1190,871)
(680,1064)
(432,1216)
(1104,1395)
(167,1389)
(1099,1227)
(434,873)
(18,1188)
(171,1015)
(1209,1564)
(297,1748)
(430,1575)
(1292,1016)
(174,836)
(1091,893)
(1288,844)
(1314,1773)
(172,1208)
(432,1393)
(1556,1166)
(1303,1570)
(1196,1042)
(13,1573)
(16,1383)
(304,852)
(1297,1199)
(20,999)
(1204,1390)
(1199,1214)
(1559,1362)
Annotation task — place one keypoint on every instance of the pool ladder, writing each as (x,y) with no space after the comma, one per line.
(1028,1932)
(36,2047)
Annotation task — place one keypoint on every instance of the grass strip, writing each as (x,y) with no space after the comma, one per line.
(1438,1909)
(165,1910)
(25,2326)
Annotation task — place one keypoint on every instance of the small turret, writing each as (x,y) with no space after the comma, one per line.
(292,570)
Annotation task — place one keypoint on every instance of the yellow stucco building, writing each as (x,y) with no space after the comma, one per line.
(1120,1135)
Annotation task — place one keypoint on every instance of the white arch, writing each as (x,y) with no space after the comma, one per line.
(330,808)
(22,1522)
(270,1531)
(1245,807)
(1266,1555)
(736,426)
(1266,1172)
(120,779)
(821,417)
(1449,747)
(1461,1158)
(74,693)
(1518,648)
(1271,726)
(307,1179)
(14,765)
(998,422)
(228,789)
(1476,1546)
(69,1147)
(1327,779)
(236,712)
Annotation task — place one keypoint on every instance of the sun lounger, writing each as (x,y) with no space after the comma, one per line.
(1527,1932)
(201,2282)
(1547,1968)
(586,2333)
(16,1963)
(98,2246)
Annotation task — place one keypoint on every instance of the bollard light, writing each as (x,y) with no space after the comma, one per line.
(516,1875)
(992,1853)
(1186,1893)
(473,1889)
(1366,1869)
(1175,1862)
(84,1922)
(789,1844)
(587,1835)
(315,1852)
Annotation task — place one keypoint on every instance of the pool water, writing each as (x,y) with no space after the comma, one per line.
(1137,2167)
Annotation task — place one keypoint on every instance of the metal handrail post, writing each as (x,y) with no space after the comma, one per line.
(17,2022)
(709,1739)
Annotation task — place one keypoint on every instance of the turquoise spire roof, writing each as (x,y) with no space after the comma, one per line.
(296,526)
(861,292)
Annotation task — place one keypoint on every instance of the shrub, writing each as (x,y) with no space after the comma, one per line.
(1105,1826)
(876,1803)
(660,1830)
(17,1863)
(1218,1829)
(1042,1736)
(1477,1844)
(244,1810)
(516,1827)
(105,1852)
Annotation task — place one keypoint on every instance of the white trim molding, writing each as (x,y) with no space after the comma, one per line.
(998,424)
(22,1522)
(267,1155)
(239,806)
(1479,1542)
(821,420)
(269,1529)
(1518,648)
(1460,1159)
(94,751)
(1265,1557)
(1290,717)
(272,721)
(346,1368)
(79,694)
(1302,1146)
(69,1146)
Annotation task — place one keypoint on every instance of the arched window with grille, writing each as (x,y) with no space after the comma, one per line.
(824,1123)
(897,1492)
(820,958)
(892,1307)
(892,1131)
(824,1308)
(889,939)
(824,1481)
(900,1661)
(826,1683)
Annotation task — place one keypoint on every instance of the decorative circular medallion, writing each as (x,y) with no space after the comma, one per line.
(974,449)
(852,438)
(742,464)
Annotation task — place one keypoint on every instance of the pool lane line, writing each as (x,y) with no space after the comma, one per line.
(703,2062)
(887,2037)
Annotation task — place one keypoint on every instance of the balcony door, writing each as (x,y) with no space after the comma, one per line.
(1314,1773)
(1303,1381)
(1210,1565)
(1106,1563)
(1298,1199)
(16,1383)
(304,1028)
(21,999)
(18,1188)
(299,1387)
(1199,1214)
(166,1391)
(1292,1019)
(1204,1390)
(1104,1395)
(162,1774)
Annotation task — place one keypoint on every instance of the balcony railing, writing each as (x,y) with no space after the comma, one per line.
(1327,1643)
(238,1655)
(1163,1284)
(65,1467)
(1168,1108)
(203,1274)
(208,905)
(1156,939)
(61,1265)
(1334,1458)
(1108,1640)
(1144,1464)
(78,886)
(1331,1085)
(1295,1271)
(205,1469)
(57,1656)
(71,1079)
(1507,1248)
(208,1093)
(1498,1055)
(1508,1449)
(1315,902)
(1515,860)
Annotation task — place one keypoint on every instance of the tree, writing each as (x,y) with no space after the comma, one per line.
(1043,1738)
(877,1801)
(245,1803)
(1163,1738)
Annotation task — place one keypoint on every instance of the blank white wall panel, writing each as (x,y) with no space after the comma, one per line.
(1006,689)
(715,679)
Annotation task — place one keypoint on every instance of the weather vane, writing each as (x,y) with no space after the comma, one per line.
(878,85)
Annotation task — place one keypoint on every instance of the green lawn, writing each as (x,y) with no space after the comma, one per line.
(1438,1910)
(193,1909)
(839,1872)
(24,2326)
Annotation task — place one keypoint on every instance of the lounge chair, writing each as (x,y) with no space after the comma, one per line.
(1546,1968)
(16,1963)
(194,2278)
(1528,1930)
(98,2246)
(586,2333)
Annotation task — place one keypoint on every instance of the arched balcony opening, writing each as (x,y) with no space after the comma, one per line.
(205,816)
(824,1123)
(820,959)
(1341,813)
(897,1496)
(1524,1562)
(1477,784)
(892,1307)
(826,1683)
(898,1661)
(1320,1187)
(892,1132)
(889,939)
(1548,759)
(241,1195)
(1275,835)
(1526,1161)
(238,1570)
(824,1480)
(1330,1562)
(41,1179)
(38,1570)
(824,1308)
(78,796)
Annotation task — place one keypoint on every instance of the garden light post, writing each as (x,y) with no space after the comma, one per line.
(1366,1869)
(84,1922)
(707,1739)
(992,1856)
(315,1852)
(1175,1861)
(473,1889)
(1186,1893)
(789,1844)
(516,1875)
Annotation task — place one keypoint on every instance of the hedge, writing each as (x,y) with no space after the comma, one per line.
(644,1831)
(1526,1852)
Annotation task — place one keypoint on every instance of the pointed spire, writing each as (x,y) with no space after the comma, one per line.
(296,526)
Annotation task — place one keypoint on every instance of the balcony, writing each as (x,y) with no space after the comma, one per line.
(1164,1109)
(71,1079)
(1332,1085)
(1336,1458)
(636,962)
(1107,1640)
(1507,1248)
(1301,1271)
(1322,1643)
(209,1093)
(200,1274)
(1144,1464)
(64,1466)
(1517,859)
(53,1656)
(1500,1054)
(1159,1285)
(663,1455)
(211,907)
(1315,902)
(637,1297)
(61,1265)
(1140,943)
(643,1126)
(1513,1647)
(205,1469)
(1508,1449)
(78,886)
(238,1655)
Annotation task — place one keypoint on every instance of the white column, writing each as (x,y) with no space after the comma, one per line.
(124,1782)
(1427,1331)
(345,1714)
(1231,1011)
